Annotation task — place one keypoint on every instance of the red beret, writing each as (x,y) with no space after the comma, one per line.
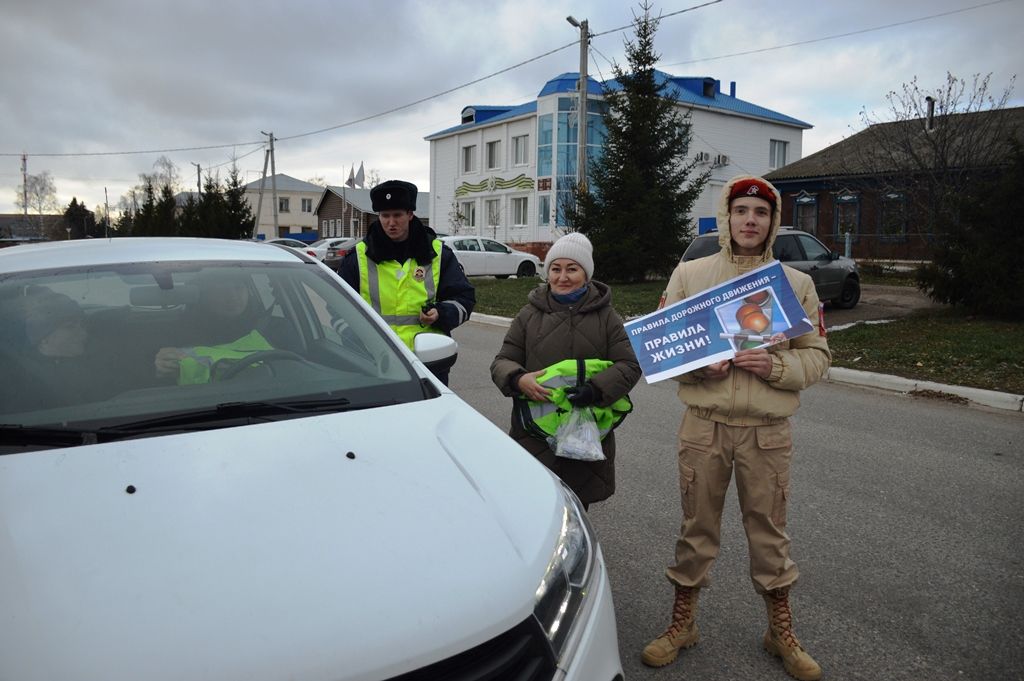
(755,187)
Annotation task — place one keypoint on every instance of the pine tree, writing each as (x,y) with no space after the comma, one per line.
(636,212)
(79,219)
(240,219)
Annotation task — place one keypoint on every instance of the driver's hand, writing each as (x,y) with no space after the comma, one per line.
(531,389)
(167,361)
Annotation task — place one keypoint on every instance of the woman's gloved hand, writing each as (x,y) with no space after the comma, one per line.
(585,395)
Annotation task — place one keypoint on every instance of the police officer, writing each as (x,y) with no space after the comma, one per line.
(404,271)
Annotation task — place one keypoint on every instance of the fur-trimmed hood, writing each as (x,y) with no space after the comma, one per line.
(722,216)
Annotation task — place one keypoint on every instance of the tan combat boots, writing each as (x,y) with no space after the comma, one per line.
(681,633)
(780,641)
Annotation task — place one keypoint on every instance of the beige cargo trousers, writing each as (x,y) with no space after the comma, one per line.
(760,455)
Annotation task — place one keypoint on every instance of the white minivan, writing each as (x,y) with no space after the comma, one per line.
(217,463)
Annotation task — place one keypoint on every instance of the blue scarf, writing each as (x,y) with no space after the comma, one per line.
(570,298)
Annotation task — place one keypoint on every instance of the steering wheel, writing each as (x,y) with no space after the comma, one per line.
(267,356)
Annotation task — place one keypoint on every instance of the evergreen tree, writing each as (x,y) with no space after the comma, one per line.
(976,262)
(165,223)
(240,219)
(189,223)
(79,219)
(145,218)
(636,210)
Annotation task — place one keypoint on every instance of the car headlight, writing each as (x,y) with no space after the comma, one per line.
(565,586)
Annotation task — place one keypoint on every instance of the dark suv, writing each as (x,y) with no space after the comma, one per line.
(835,277)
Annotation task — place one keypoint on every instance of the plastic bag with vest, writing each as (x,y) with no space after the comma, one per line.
(544,419)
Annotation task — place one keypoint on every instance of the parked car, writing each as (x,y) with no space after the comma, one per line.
(270,522)
(836,277)
(335,247)
(480,256)
(300,246)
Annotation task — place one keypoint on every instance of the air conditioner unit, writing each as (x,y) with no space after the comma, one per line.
(721,160)
(703,157)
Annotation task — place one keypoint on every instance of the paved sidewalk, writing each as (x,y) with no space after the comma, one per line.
(974,396)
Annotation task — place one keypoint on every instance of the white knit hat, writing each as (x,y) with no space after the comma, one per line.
(573,246)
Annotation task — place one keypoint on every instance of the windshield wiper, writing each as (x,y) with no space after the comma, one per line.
(225,411)
(51,436)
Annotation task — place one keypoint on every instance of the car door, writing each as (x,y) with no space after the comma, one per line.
(498,257)
(828,278)
(470,255)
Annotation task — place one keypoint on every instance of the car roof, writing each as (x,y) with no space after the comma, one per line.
(81,252)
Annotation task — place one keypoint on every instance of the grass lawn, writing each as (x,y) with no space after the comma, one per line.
(945,346)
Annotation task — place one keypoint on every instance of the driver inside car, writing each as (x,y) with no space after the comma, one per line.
(232,324)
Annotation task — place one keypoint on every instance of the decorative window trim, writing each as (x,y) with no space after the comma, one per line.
(846,197)
(888,198)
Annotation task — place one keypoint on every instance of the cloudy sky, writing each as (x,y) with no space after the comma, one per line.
(84,82)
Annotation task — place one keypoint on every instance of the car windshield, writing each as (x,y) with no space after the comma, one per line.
(114,346)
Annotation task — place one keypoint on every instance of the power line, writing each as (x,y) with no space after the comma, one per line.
(833,37)
(660,17)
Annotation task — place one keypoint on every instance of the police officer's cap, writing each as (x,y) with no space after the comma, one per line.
(393,195)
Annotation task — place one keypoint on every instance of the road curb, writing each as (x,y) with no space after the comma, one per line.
(974,396)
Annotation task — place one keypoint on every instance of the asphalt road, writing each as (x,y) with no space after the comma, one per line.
(906,516)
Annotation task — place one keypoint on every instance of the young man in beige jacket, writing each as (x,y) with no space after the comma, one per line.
(737,417)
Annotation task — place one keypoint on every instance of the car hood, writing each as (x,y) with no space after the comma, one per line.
(347,546)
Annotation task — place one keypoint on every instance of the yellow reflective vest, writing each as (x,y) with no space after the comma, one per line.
(397,291)
(542,419)
(199,364)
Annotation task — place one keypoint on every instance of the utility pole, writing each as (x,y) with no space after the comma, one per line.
(106,202)
(259,197)
(581,124)
(24,187)
(273,182)
(199,181)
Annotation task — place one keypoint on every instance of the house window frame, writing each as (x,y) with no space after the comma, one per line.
(521,150)
(887,200)
(774,147)
(842,199)
(520,210)
(467,209)
(468,159)
(492,154)
(495,204)
(544,209)
(307,205)
(801,200)
(283,204)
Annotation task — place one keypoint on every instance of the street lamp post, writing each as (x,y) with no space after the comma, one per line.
(581,123)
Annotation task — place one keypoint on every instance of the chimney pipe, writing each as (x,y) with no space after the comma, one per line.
(930,124)
(732,88)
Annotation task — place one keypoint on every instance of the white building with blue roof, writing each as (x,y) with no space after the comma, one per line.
(504,171)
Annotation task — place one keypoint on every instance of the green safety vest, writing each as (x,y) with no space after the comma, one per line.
(198,366)
(543,418)
(397,291)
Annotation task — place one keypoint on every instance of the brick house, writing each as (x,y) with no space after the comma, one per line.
(861,185)
(345,212)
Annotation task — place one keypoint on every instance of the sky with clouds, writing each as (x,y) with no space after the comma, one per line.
(86,81)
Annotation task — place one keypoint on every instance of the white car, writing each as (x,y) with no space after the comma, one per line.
(267,521)
(480,256)
(312,250)
(335,247)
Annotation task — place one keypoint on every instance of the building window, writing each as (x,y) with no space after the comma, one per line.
(323,227)
(467,209)
(492,209)
(777,151)
(334,228)
(544,141)
(469,159)
(282,204)
(806,213)
(892,224)
(494,155)
(519,215)
(521,150)
(307,205)
(847,215)
(544,209)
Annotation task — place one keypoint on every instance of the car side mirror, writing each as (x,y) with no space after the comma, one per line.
(833,255)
